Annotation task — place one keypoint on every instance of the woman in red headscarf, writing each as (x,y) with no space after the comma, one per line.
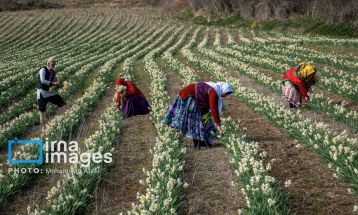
(130,100)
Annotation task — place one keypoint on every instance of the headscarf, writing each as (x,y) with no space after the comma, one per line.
(305,70)
(51,59)
(120,81)
(221,88)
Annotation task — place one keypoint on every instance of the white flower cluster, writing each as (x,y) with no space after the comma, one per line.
(335,148)
(18,124)
(175,65)
(62,203)
(69,193)
(164,181)
(71,53)
(339,112)
(63,123)
(255,182)
(83,57)
(292,38)
(339,82)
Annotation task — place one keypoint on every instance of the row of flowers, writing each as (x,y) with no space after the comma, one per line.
(257,186)
(28,102)
(294,38)
(73,191)
(176,65)
(86,57)
(21,82)
(73,30)
(336,149)
(262,194)
(318,101)
(164,181)
(346,62)
(31,50)
(277,57)
(62,124)
(18,124)
(76,188)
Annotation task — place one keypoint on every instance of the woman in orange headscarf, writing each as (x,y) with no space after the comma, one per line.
(130,100)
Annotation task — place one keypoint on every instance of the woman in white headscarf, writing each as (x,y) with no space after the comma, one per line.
(196,110)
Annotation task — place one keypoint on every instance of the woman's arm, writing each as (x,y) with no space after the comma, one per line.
(42,77)
(303,90)
(213,102)
(118,98)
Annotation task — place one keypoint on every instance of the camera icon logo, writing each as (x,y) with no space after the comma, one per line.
(34,142)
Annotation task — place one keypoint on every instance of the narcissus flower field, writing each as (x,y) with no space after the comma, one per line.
(269,159)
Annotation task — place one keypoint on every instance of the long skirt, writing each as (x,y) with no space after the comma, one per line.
(291,94)
(134,105)
(186,117)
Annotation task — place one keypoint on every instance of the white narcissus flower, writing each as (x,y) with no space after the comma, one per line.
(288,183)
(271,202)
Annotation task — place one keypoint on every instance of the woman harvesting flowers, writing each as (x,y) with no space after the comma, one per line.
(196,110)
(130,100)
(297,83)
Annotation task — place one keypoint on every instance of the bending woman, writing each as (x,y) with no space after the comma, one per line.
(130,100)
(297,83)
(196,110)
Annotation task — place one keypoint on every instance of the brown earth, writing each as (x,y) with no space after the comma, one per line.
(208,173)
(120,184)
(35,192)
(314,190)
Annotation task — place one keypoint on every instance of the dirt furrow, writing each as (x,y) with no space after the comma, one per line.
(314,190)
(120,184)
(208,173)
(35,192)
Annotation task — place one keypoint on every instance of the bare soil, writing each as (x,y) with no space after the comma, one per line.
(314,190)
(35,192)
(208,173)
(120,184)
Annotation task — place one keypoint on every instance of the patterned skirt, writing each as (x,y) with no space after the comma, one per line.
(134,105)
(291,94)
(186,117)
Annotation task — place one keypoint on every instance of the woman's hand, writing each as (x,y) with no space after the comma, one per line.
(55,83)
(218,125)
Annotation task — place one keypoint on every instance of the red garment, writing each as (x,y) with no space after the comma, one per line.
(291,76)
(212,103)
(120,81)
(132,89)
